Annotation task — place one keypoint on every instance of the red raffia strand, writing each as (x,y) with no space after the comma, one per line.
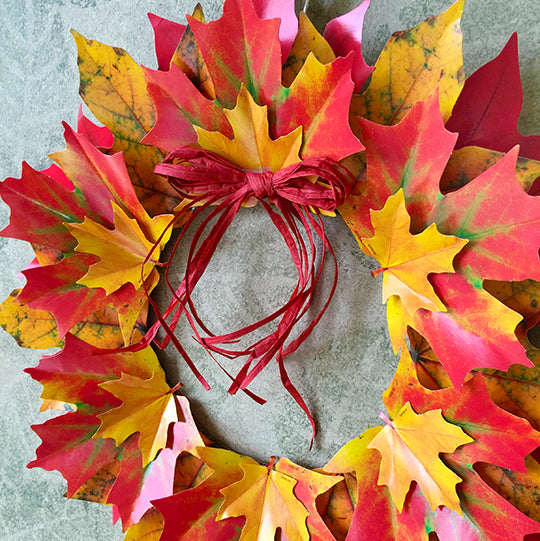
(299,192)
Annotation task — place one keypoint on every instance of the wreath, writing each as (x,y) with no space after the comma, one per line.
(428,171)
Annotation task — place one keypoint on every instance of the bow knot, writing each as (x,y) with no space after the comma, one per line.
(261,183)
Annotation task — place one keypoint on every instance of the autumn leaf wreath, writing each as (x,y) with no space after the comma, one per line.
(429,172)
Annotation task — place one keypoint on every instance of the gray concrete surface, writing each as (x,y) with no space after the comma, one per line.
(38,89)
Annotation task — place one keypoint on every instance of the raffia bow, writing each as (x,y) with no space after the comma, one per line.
(294,198)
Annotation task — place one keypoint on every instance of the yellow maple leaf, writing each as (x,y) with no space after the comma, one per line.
(252,148)
(414,63)
(149,406)
(265,497)
(407,259)
(122,250)
(308,40)
(410,447)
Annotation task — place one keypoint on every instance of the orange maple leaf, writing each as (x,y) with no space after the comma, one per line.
(149,406)
(123,250)
(252,148)
(410,447)
(407,259)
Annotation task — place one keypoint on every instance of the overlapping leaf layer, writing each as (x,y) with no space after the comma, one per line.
(443,199)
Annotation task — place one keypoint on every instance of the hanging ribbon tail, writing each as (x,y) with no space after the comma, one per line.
(293,198)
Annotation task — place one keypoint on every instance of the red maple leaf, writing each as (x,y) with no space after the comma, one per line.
(487,110)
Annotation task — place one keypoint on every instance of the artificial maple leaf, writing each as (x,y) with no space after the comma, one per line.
(98,179)
(308,40)
(318,96)
(126,254)
(488,108)
(69,447)
(408,259)
(189,59)
(259,68)
(204,501)
(375,516)
(288,23)
(462,333)
(471,408)
(252,148)
(137,485)
(31,328)
(344,34)
(504,230)
(179,106)
(500,438)
(265,497)
(114,89)
(410,445)
(462,294)
(415,165)
(148,407)
(45,210)
(412,65)
(309,486)
(149,528)
(74,374)
(167,35)
(467,163)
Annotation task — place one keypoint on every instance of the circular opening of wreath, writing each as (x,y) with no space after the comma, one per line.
(251,275)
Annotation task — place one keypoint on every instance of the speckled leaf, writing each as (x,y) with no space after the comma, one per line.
(237,35)
(74,374)
(521,489)
(318,100)
(188,58)
(488,108)
(34,329)
(490,514)
(167,35)
(344,34)
(308,40)
(149,528)
(412,65)
(467,163)
(113,87)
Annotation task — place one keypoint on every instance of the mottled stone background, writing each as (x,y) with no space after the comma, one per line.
(38,89)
